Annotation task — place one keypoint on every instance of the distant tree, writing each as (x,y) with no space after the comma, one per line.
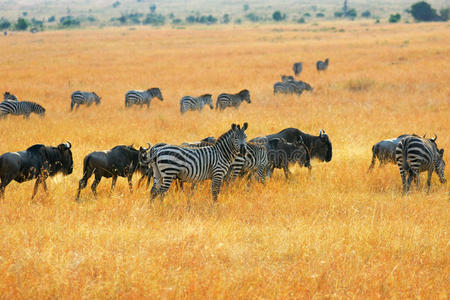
(351,13)
(22,24)
(115,4)
(301,21)
(51,19)
(320,15)
(395,18)
(190,19)
(69,21)
(338,14)
(307,14)
(25,13)
(152,8)
(226,18)
(278,16)
(246,7)
(123,18)
(4,24)
(238,21)
(176,21)
(252,17)
(154,19)
(171,16)
(365,14)
(91,19)
(422,11)
(445,13)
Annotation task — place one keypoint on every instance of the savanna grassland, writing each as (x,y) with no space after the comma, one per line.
(340,233)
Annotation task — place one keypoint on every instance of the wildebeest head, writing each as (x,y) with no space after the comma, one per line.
(245,95)
(207,100)
(156,92)
(96,98)
(239,138)
(144,158)
(322,146)
(65,160)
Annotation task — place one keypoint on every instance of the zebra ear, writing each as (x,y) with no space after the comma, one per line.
(233,126)
(245,126)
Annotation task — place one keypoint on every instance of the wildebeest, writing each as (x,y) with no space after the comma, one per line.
(318,146)
(322,65)
(208,141)
(120,161)
(297,67)
(384,151)
(38,161)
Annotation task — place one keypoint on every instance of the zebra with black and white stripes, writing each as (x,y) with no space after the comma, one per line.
(198,164)
(298,68)
(255,161)
(24,108)
(232,100)
(322,65)
(81,98)
(195,103)
(140,98)
(291,86)
(7,96)
(414,155)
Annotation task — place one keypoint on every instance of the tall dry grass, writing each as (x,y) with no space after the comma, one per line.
(343,232)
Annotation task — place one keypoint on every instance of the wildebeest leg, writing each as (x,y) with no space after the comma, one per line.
(39,180)
(287,172)
(95,183)
(130,184)
(141,180)
(4,182)
(113,184)
(373,162)
(429,180)
(83,182)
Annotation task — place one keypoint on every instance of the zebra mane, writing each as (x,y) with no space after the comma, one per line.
(224,136)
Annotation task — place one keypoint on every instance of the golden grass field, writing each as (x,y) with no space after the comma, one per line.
(340,233)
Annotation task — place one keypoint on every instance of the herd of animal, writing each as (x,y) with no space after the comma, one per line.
(288,85)
(221,160)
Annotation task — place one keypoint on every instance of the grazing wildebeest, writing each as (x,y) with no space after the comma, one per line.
(297,67)
(232,100)
(38,161)
(120,161)
(318,146)
(385,151)
(414,155)
(322,65)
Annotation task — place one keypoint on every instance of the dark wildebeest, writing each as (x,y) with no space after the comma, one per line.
(281,153)
(38,161)
(322,65)
(385,151)
(120,161)
(318,146)
(297,67)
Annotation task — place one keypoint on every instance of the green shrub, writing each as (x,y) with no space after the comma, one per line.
(22,24)
(395,18)
(278,16)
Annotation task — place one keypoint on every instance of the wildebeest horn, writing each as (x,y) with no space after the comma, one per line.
(69,145)
(320,132)
(424,136)
(435,137)
(149,146)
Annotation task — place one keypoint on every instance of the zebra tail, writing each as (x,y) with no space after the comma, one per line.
(72,104)
(406,166)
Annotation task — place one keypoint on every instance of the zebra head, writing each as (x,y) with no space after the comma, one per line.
(9,96)
(96,98)
(207,100)
(245,95)
(239,138)
(439,163)
(155,92)
(287,78)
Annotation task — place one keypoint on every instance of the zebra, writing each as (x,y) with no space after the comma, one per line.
(298,68)
(195,103)
(322,65)
(80,98)
(290,86)
(287,77)
(142,97)
(24,108)
(228,100)
(414,155)
(7,96)
(256,160)
(198,164)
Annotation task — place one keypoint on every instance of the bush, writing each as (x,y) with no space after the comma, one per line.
(278,16)
(69,21)
(307,14)
(22,24)
(115,4)
(365,14)
(338,14)
(445,13)
(422,11)
(51,19)
(252,17)
(154,19)
(226,19)
(351,13)
(301,21)
(320,15)
(190,19)
(176,21)
(246,7)
(4,24)
(395,18)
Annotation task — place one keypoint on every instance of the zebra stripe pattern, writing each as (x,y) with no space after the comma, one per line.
(195,103)
(290,86)
(80,98)
(24,108)
(232,100)
(414,155)
(298,68)
(7,96)
(255,161)
(322,65)
(198,164)
(140,98)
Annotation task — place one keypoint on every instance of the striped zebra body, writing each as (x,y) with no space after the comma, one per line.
(195,103)
(414,155)
(7,96)
(232,100)
(255,161)
(322,65)
(298,68)
(24,108)
(197,164)
(290,86)
(83,98)
(140,98)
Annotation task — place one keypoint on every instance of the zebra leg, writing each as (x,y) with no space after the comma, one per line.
(95,183)
(410,179)
(417,180)
(165,185)
(113,184)
(78,105)
(261,174)
(430,172)
(215,185)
